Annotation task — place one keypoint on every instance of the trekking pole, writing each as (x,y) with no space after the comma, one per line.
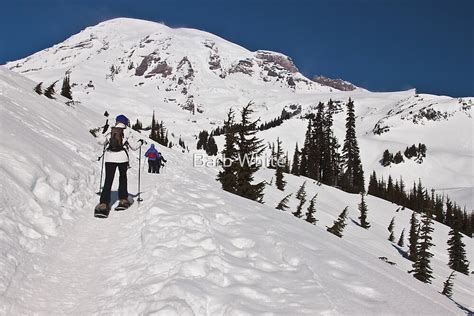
(101,170)
(139,199)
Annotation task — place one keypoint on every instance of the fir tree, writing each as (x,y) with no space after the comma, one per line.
(298,212)
(301,193)
(386,158)
(228,176)
(66,88)
(373,185)
(339,224)
(49,92)
(448,285)
(390,229)
(423,271)
(398,158)
(295,168)
(311,210)
(38,88)
(413,238)
(249,148)
(353,174)
(457,254)
(401,240)
(279,179)
(303,163)
(212,149)
(363,213)
(283,205)
(137,126)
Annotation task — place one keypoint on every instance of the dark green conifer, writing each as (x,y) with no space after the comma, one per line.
(38,88)
(228,175)
(422,269)
(448,285)
(363,213)
(413,238)
(66,88)
(49,92)
(283,205)
(338,227)
(311,210)
(279,178)
(401,240)
(457,253)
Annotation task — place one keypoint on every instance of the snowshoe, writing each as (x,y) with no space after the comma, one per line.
(123,204)
(101,211)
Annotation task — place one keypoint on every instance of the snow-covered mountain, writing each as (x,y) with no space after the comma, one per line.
(191,78)
(189,248)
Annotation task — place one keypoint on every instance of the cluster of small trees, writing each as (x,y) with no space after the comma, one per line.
(158,132)
(389,158)
(420,200)
(208,143)
(320,159)
(419,244)
(240,153)
(50,91)
(418,152)
(275,122)
(301,197)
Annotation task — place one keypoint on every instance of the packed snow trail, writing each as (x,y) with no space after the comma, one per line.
(187,251)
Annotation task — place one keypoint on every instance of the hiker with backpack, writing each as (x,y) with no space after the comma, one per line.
(152,155)
(159,162)
(116,146)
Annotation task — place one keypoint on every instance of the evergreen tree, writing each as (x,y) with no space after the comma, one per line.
(66,88)
(398,158)
(212,149)
(137,126)
(311,210)
(228,176)
(353,174)
(249,148)
(448,286)
(49,92)
(202,140)
(279,179)
(339,224)
(386,158)
(301,193)
(295,168)
(423,271)
(457,254)
(303,163)
(363,213)
(38,88)
(298,212)
(413,238)
(373,185)
(390,229)
(283,205)
(401,240)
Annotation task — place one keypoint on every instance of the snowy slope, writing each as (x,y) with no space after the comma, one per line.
(189,248)
(191,78)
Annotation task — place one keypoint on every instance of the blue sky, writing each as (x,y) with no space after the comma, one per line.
(381,45)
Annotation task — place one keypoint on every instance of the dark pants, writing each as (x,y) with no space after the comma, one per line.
(152,166)
(109,178)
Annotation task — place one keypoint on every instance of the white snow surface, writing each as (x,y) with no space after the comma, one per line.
(189,248)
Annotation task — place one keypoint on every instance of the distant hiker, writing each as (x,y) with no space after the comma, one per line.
(116,145)
(159,162)
(152,155)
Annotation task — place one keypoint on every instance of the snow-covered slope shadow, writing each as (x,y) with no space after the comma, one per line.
(188,249)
